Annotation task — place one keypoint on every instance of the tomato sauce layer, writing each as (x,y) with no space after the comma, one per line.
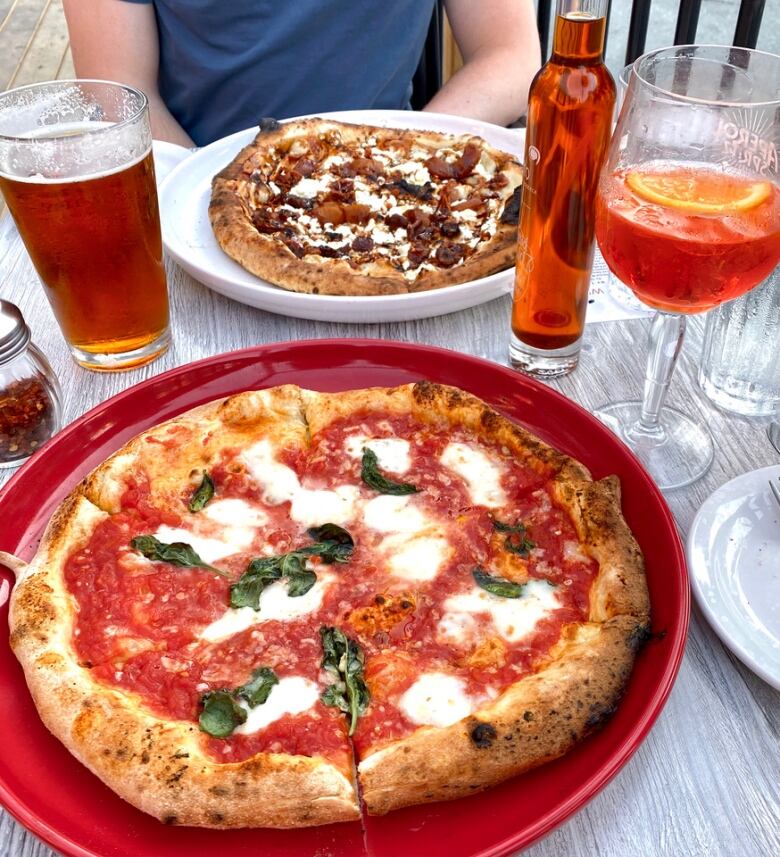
(141,623)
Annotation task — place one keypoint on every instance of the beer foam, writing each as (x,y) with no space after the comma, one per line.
(39,178)
(69,152)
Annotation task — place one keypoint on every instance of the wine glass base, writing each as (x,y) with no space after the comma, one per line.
(542,362)
(676,455)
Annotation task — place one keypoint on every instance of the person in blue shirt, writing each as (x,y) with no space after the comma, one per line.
(212,67)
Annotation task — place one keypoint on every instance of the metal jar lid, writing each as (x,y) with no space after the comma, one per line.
(14,333)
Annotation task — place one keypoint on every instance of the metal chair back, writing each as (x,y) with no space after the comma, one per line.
(428,78)
(745,34)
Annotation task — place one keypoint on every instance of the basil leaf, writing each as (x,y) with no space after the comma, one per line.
(203,494)
(497,585)
(369,473)
(300,583)
(336,546)
(257,690)
(328,552)
(176,553)
(333,696)
(246,591)
(299,578)
(334,645)
(343,658)
(331,533)
(221,713)
(332,543)
(516,540)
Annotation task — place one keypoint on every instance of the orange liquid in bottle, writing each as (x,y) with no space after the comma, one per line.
(570,109)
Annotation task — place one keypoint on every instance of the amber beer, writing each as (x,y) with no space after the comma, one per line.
(84,198)
(570,109)
(96,246)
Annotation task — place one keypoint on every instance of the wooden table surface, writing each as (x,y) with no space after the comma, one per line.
(707,779)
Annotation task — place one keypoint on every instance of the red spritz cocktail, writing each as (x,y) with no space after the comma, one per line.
(688,216)
(686,238)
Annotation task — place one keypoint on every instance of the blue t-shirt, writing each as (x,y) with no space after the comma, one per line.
(224,64)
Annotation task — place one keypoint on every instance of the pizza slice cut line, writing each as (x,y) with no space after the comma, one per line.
(428,604)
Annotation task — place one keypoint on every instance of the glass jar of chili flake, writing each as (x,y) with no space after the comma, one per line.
(29,391)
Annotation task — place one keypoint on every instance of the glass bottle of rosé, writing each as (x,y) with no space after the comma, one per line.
(570,109)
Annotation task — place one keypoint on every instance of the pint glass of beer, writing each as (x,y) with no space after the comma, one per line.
(77,174)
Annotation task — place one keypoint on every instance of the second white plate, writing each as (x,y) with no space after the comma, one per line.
(188,238)
(734,562)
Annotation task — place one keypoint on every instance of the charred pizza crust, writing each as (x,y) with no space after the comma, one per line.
(159,765)
(155,764)
(545,714)
(241,190)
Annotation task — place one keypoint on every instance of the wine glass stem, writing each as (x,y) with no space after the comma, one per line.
(665,340)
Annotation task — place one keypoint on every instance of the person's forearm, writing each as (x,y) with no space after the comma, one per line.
(119,41)
(492,86)
(164,126)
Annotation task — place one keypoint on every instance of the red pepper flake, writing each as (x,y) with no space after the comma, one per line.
(26,418)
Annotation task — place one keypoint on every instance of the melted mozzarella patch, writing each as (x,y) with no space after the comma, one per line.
(292,695)
(416,173)
(513,618)
(308,188)
(391,513)
(437,699)
(382,236)
(365,197)
(480,473)
(208,549)
(233,512)
(417,559)
(392,452)
(275,604)
(456,627)
(412,548)
(308,506)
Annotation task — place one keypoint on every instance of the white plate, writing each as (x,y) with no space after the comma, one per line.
(734,562)
(166,157)
(184,199)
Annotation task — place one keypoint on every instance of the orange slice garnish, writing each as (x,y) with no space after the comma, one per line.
(699,192)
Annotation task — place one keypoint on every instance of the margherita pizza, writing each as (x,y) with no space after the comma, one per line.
(326,207)
(253,608)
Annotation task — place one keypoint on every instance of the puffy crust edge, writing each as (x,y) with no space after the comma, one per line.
(534,721)
(276,413)
(545,714)
(267,258)
(158,766)
(620,587)
(443,405)
(322,409)
(155,764)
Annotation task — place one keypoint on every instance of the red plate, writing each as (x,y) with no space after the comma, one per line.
(44,787)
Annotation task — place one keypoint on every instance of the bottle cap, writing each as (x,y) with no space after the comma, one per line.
(14,333)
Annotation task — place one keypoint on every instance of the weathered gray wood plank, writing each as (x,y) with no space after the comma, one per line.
(66,71)
(18,29)
(47,47)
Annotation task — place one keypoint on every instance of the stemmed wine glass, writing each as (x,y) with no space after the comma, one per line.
(688,216)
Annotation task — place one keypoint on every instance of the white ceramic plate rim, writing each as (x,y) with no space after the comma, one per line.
(226,276)
(735,487)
